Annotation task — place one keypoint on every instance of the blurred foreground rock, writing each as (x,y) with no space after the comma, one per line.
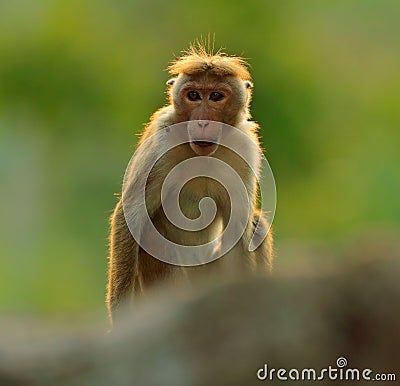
(223,334)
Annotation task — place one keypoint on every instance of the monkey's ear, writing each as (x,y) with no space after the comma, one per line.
(170,82)
(248,84)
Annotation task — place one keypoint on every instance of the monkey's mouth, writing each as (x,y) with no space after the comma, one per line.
(203,143)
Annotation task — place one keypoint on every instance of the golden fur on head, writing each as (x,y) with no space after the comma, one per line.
(198,60)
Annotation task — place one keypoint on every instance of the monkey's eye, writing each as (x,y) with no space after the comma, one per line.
(193,96)
(216,96)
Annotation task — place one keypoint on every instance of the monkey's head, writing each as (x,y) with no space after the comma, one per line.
(209,89)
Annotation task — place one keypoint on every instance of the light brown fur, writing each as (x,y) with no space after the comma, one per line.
(131,269)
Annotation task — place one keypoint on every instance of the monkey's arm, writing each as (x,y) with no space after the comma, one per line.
(263,254)
(124,265)
(122,260)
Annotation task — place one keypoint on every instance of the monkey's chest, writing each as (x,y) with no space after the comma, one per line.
(202,196)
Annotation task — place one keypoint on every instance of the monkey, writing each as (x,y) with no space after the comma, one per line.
(207,93)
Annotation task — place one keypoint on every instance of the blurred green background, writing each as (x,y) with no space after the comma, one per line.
(78,79)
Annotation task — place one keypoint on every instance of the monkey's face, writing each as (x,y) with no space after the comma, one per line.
(206,101)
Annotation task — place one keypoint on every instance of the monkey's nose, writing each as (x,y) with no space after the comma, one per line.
(203,124)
